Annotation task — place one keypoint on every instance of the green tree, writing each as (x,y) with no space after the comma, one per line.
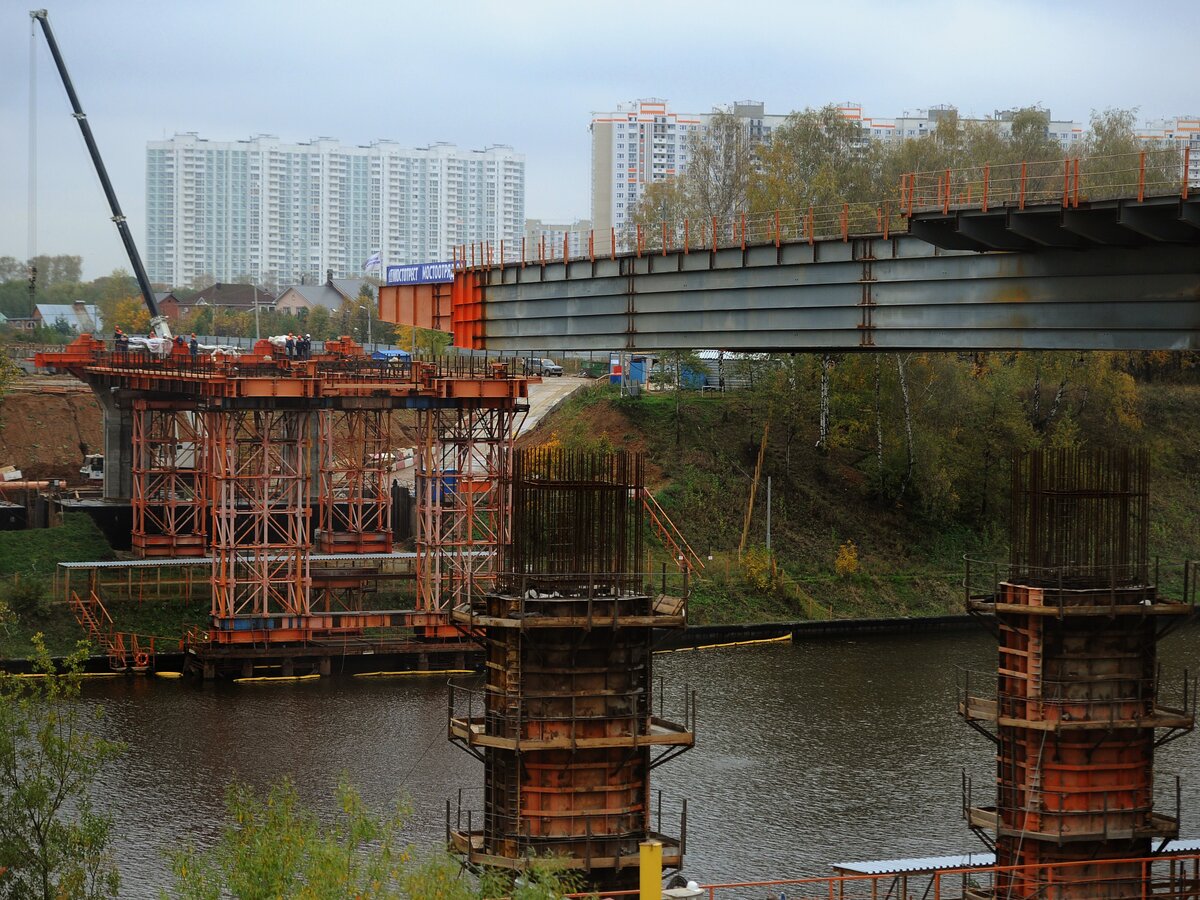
(273,847)
(52,841)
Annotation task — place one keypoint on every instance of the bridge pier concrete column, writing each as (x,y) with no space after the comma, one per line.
(118,443)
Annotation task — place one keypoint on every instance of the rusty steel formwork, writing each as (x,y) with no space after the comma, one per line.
(258,462)
(354,486)
(566,725)
(1076,712)
(463,491)
(170,481)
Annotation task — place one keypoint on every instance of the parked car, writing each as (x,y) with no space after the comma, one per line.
(544,367)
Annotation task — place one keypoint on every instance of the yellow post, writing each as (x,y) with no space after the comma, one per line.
(650,886)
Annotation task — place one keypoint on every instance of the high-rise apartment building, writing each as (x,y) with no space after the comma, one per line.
(1184,133)
(278,213)
(644,142)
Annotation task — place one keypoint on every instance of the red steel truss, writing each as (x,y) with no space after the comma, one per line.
(258,442)
(169,480)
(463,501)
(260,536)
(354,492)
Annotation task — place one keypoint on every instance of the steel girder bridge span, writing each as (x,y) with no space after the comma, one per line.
(1118,274)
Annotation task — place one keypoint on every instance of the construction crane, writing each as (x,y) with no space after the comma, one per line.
(158,323)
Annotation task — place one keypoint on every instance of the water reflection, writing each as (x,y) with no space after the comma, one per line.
(806,754)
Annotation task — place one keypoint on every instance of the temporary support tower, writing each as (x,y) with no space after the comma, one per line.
(462,500)
(355,485)
(1075,715)
(170,486)
(252,451)
(565,725)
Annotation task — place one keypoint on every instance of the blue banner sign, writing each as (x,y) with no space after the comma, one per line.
(421,273)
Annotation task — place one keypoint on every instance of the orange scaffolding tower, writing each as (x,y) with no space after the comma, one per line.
(169,485)
(463,509)
(1075,714)
(261,583)
(355,486)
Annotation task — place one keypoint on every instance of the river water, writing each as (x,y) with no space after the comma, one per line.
(807,754)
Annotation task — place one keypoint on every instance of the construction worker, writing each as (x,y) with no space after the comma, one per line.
(120,340)
(290,344)
(193,346)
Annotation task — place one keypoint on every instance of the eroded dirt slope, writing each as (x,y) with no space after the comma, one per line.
(43,422)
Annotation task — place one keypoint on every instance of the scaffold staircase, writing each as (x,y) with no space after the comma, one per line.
(124,649)
(681,551)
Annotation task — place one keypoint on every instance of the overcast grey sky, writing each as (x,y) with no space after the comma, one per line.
(529,74)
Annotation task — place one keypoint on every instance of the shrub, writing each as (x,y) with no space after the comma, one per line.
(846,562)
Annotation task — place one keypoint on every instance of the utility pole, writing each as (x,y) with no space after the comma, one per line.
(768,513)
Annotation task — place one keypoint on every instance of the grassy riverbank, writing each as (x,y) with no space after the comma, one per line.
(841,549)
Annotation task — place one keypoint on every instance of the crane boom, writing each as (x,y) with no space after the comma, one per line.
(158,322)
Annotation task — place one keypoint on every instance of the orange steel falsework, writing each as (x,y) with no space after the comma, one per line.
(354,490)
(462,501)
(170,484)
(1075,714)
(261,543)
(264,441)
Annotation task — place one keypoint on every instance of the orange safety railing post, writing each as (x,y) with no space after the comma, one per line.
(1075,202)
(639,241)
(1141,176)
(1066,200)
(811,225)
(903,190)
(472,254)
(542,250)
(1187,165)
(946,195)
(566,245)
(743,231)
(986,172)
(911,192)
(612,247)
(686,237)
(885,220)
(846,221)
(592,245)
(664,237)
(1021,202)
(501,254)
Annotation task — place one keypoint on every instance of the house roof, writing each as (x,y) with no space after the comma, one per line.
(236,296)
(160,296)
(331,294)
(81,317)
(349,287)
(316,295)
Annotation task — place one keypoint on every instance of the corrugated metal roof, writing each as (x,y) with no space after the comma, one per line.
(917,864)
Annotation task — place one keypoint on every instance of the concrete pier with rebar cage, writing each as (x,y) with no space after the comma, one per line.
(566,724)
(1076,712)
